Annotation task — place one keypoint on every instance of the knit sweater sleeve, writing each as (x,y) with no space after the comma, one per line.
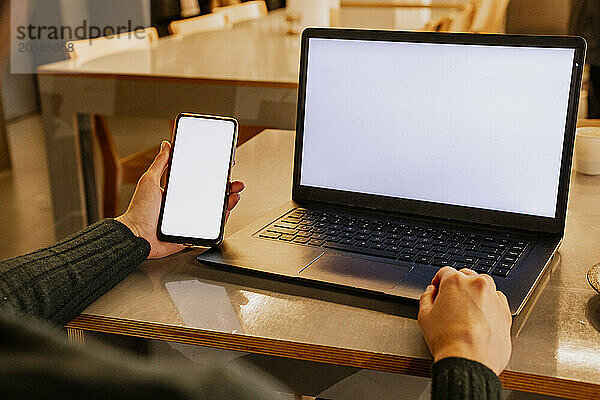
(57,283)
(461,379)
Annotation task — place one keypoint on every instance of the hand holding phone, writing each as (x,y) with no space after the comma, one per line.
(194,204)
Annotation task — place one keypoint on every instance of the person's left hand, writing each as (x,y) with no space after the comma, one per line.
(143,211)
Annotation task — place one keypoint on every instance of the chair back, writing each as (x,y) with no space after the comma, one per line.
(203,23)
(88,49)
(489,16)
(243,11)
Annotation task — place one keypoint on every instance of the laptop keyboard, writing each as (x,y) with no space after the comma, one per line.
(408,242)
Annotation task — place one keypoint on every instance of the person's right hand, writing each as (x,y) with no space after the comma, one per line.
(462,315)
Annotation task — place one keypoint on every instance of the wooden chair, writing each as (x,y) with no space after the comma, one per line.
(584,122)
(457,15)
(88,49)
(466,16)
(489,16)
(203,23)
(244,11)
(117,171)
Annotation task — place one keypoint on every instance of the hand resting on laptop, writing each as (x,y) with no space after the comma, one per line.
(462,315)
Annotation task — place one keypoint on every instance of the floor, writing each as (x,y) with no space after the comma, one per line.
(25,206)
(25,209)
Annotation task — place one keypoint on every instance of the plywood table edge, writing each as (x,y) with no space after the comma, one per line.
(513,380)
(168,78)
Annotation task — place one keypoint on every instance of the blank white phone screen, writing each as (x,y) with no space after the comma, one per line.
(198,178)
(476,126)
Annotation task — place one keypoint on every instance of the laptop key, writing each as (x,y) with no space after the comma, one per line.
(406,257)
(410,250)
(315,242)
(500,272)
(442,262)
(487,263)
(269,235)
(505,265)
(287,238)
(460,266)
(380,246)
(362,250)
(460,259)
(301,240)
(285,225)
(282,230)
(304,234)
(363,243)
(482,269)
(347,241)
(423,260)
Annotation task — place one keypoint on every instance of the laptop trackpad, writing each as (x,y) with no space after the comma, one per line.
(354,271)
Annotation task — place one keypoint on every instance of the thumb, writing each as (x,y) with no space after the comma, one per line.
(160,161)
(427,299)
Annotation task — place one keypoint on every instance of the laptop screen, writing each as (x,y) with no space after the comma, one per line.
(466,125)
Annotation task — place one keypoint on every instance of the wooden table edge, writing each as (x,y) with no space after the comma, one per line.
(167,78)
(513,380)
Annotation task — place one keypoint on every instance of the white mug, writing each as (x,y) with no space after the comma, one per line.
(587,150)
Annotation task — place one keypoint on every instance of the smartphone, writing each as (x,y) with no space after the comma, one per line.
(194,201)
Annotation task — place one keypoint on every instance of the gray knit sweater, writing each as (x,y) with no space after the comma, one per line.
(57,283)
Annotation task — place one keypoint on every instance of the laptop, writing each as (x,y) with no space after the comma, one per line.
(418,150)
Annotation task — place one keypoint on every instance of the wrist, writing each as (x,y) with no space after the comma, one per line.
(125,220)
(459,351)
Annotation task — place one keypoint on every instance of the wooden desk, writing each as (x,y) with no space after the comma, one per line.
(556,339)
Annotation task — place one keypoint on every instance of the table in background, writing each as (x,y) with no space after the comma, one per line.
(556,339)
(250,72)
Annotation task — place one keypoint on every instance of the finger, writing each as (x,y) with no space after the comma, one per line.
(236,187)
(232,201)
(427,299)
(160,161)
(489,279)
(441,274)
(468,272)
(503,298)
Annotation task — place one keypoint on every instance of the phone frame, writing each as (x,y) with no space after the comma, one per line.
(193,240)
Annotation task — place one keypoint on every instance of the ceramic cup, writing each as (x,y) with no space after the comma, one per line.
(587,150)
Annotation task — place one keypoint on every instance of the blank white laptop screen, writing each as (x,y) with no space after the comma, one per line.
(476,126)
